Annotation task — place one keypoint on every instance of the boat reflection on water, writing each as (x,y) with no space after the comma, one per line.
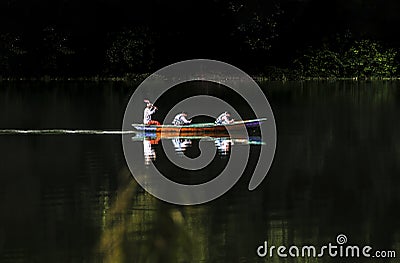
(181,144)
(223,145)
(148,151)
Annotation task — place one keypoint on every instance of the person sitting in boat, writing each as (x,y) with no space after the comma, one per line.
(148,111)
(180,119)
(224,119)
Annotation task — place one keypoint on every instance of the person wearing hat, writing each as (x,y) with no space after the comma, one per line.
(180,119)
(148,111)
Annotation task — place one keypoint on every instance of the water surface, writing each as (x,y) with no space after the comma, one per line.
(71,198)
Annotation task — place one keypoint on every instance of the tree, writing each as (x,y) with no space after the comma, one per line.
(320,63)
(130,51)
(367,58)
(360,59)
(11,54)
(256,25)
(54,50)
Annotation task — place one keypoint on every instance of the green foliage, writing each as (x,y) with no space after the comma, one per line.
(54,49)
(367,59)
(363,59)
(130,51)
(320,63)
(280,74)
(255,29)
(258,32)
(10,52)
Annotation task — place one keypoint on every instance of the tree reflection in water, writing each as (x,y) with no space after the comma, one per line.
(139,228)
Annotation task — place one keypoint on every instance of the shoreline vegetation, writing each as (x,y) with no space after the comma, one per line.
(132,78)
(279,74)
(131,55)
(342,59)
(270,40)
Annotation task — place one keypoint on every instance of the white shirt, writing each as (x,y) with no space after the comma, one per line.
(180,119)
(223,119)
(147,114)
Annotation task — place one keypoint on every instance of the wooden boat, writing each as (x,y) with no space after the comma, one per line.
(198,129)
(253,140)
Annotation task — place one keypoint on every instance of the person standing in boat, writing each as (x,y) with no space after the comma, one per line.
(148,111)
(181,119)
(224,119)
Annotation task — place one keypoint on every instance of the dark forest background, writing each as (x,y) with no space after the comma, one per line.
(286,39)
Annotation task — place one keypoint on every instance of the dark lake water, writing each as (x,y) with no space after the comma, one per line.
(71,197)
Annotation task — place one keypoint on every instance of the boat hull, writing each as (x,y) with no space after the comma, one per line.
(202,129)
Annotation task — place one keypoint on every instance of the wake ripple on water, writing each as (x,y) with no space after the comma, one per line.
(60,132)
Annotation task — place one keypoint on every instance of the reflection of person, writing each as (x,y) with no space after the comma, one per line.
(148,111)
(223,145)
(148,152)
(181,145)
(224,119)
(180,119)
